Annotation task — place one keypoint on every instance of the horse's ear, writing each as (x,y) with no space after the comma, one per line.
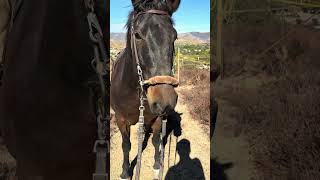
(174,5)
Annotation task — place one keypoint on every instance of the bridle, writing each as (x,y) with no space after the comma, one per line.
(134,51)
(156,80)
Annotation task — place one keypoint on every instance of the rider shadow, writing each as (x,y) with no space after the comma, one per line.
(186,168)
(173,125)
(218,169)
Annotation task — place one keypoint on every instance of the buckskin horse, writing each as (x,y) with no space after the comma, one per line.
(47,113)
(144,68)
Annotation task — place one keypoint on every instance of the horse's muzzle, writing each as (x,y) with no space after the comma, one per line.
(162,97)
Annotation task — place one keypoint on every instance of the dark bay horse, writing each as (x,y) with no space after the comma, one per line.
(150,43)
(46,109)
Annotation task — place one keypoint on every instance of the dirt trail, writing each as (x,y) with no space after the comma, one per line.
(191,130)
(230,150)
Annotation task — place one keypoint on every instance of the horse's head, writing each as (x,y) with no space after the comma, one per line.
(152,37)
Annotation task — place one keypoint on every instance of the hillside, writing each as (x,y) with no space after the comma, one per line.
(193,38)
(117,40)
(268,117)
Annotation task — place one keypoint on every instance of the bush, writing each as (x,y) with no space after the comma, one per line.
(198,96)
(280,115)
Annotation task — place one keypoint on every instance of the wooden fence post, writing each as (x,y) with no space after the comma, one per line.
(219,38)
(178,64)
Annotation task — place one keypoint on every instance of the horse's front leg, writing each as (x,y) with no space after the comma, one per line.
(156,127)
(126,147)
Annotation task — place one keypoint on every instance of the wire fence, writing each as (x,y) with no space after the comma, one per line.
(281,12)
(182,62)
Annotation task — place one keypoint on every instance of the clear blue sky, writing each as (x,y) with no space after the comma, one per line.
(192,15)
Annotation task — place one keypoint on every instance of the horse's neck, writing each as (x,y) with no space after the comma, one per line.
(127,69)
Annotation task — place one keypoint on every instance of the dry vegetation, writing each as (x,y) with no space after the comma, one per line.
(277,97)
(197,97)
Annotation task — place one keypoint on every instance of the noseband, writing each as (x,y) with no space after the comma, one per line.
(156,80)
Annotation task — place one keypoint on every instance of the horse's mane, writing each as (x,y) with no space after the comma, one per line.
(144,5)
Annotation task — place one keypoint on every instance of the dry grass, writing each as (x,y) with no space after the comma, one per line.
(280,116)
(198,97)
(281,121)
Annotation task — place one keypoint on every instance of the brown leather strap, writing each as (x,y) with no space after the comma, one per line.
(133,38)
(134,47)
(157,79)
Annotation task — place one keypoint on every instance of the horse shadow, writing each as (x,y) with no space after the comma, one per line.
(173,126)
(218,169)
(186,168)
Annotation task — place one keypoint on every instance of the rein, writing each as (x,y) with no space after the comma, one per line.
(153,81)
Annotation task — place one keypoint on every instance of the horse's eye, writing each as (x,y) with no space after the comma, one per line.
(138,36)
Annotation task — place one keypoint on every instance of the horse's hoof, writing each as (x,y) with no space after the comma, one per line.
(156,173)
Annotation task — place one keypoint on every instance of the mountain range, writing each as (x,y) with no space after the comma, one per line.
(119,39)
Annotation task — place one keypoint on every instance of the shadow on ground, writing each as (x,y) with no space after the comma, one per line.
(186,168)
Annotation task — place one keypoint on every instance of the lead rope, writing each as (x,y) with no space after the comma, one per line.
(169,152)
(175,153)
(101,145)
(162,148)
(141,133)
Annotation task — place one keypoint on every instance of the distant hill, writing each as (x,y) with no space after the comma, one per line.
(118,40)
(118,37)
(194,38)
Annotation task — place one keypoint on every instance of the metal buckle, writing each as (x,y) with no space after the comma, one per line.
(100,142)
(94,25)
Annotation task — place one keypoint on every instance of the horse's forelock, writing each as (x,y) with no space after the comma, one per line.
(144,5)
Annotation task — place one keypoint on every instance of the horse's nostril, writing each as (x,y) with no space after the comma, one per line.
(155,105)
(158,109)
(168,109)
